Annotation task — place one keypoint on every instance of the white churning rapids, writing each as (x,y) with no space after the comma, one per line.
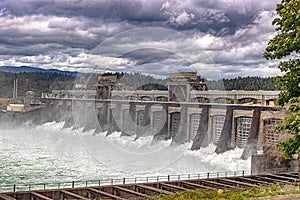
(49,153)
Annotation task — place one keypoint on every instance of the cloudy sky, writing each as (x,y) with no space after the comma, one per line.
(217,38)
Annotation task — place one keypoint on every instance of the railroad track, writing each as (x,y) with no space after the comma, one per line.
(145,190)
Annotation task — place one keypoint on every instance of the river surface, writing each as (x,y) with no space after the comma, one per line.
(50,154)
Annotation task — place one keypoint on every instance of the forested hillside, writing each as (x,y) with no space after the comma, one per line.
(36,81)
(243,83)
(46,82)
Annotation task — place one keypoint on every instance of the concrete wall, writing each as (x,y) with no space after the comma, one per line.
(100,115)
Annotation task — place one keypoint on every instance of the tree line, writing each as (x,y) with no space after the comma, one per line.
(40,82)
(34,81)
(243,83)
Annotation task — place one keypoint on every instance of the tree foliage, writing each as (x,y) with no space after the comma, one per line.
(242,83)
(35,81)
(286,47)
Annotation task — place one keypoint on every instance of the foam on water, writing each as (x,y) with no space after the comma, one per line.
(51,153)
(54,126)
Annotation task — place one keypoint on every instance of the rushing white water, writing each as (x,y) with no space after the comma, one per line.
(49,153)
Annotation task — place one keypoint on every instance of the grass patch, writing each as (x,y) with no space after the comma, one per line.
(234,195)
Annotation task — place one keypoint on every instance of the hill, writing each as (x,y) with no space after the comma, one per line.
(36,81)
(22,69)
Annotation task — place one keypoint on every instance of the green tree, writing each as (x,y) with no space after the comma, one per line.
(285,46)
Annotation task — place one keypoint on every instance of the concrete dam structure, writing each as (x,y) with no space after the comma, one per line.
(227,126)
(176,116)
(187,111)
(101,137)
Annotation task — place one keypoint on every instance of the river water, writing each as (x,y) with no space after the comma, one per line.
(49,153)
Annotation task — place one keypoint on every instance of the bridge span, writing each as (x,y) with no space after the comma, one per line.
(261,97)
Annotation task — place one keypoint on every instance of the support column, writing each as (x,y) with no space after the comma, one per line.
(132,111)
(144,128)
(225,138)
(102,117)
(80,114)
(51,108)
(181,135)
(188,93)
(163,133)
(87,123)
(147,119)
(97,111)
(58,111)
(111,126)
(68,118)
(263,99)
(91,118)
(252,142)
(201,139)
(116,117)
(235,100)
(83,115)
(130,127)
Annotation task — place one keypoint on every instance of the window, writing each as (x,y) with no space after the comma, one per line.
(175,123)
(243,125)
(270,136)
(157,115)
(217,126)
(194,125)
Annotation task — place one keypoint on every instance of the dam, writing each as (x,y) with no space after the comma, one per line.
(227,126)
(186,111)
(85,135)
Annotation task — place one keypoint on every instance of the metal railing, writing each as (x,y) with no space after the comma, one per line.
(126,180)
(117,181)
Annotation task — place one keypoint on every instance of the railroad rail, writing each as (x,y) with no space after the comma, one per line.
(145,190)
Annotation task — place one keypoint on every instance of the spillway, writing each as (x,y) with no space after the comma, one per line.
(50,153)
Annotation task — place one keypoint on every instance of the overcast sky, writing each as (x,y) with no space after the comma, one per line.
(218,39)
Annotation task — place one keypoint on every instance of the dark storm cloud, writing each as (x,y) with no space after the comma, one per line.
(233,32)
(201,15)
(149,56)
(110,9)
(21,35)
(219,17)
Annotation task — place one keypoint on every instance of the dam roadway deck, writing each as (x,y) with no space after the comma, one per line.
(147,189)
